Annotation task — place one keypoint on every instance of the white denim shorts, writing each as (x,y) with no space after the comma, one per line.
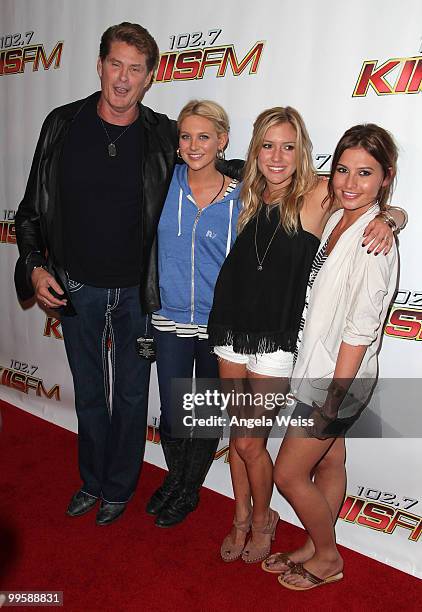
(277,364)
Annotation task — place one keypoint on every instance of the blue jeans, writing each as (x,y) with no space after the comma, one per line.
(112,427)
(175,359)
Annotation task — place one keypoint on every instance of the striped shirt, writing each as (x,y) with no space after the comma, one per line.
(186,330)
(317,264)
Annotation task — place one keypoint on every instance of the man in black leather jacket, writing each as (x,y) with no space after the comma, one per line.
(86,235)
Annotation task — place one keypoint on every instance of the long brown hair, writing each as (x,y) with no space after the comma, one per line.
(254,182)
(377,142)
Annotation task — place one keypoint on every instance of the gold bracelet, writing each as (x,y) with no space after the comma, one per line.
(389,220)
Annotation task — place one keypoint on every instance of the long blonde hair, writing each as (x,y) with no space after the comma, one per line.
(254,182)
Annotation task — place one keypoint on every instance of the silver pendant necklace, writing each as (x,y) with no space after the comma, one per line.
(112,150)
(261,261)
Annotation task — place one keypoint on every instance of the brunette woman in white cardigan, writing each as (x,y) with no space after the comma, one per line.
(349,296)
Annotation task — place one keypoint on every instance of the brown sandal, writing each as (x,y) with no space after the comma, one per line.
(277,558)
(229,551)
(253,553)
(314,580)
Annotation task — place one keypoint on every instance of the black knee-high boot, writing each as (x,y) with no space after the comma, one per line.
(175,455)
(199,456)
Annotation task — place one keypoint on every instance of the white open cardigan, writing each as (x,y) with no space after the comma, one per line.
(349,302)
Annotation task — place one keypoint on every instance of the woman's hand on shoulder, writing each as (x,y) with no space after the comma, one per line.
(378,237)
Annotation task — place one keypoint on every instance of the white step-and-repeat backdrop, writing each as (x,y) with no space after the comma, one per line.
(339,64)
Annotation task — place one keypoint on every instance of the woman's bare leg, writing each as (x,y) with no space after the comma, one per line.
(330,478)
(259,466)
(293,475)
(251,466)
(239,475)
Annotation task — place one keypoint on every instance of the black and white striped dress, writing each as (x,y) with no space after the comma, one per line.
(317,264)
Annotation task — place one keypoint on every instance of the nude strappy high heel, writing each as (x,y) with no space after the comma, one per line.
(253,553)
(229,551)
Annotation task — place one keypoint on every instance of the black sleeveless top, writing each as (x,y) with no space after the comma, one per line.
(259,311)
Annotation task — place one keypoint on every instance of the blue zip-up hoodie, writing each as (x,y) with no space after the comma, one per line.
(192,245)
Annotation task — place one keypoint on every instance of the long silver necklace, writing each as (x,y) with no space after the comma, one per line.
(261,261)
(112,150)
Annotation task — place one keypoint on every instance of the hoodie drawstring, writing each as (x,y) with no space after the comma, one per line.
(229,233)
(179,212)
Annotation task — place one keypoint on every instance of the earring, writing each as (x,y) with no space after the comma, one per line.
(221,154)
(178,154)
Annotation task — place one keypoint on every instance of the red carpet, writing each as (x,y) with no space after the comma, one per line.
(133,565)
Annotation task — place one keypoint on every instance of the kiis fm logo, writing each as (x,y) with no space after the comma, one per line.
(16,52)
(404,77)
(191,54)
(380,516)
(53,328)
(20,376)
(405,318)
(7,227)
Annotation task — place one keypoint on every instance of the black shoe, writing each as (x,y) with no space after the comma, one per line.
(80,504)
(177,510)
(159,499)
(199,456)
(108,513)
(174,453)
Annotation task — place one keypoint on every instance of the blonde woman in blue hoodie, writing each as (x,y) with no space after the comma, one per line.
(195,234)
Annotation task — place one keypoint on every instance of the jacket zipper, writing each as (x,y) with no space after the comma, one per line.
(192,286)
